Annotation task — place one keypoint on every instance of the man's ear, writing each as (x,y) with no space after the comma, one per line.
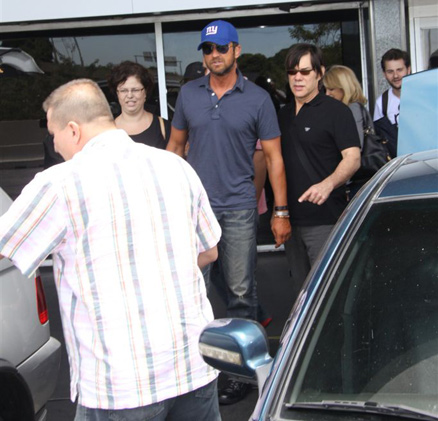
(320,75)
(75,131)
(237,51)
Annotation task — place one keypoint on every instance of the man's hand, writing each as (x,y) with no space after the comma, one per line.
(318,193)
(281,229)
(274,162)
(207,257)
(177,141)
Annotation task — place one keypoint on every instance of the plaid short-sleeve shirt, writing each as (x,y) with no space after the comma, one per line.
(124,223)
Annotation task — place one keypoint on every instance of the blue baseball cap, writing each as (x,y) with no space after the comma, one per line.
(219,32)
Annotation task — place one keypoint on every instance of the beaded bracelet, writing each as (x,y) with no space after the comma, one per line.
(280,208)
(281,216)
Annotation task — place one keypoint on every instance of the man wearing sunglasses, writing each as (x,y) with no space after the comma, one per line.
(224,115)
(321,152)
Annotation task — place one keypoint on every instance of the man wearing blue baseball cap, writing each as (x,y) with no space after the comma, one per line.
(225,115)
(219,32)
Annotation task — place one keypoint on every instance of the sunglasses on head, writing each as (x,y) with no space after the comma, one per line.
(207,49)
(304,72)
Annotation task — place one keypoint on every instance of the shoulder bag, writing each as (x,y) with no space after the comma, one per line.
(374,154)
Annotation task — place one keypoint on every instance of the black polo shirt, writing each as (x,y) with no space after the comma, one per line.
(324,127)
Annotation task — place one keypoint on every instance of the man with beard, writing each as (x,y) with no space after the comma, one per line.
(225,115)
(396,64)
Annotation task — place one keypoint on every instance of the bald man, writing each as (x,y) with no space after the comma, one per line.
(129,227)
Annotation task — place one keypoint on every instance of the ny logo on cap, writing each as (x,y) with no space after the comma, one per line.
(211,30)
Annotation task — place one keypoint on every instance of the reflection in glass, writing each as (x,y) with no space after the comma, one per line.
(264,48)
(66,58)
(375,338)
(105,50)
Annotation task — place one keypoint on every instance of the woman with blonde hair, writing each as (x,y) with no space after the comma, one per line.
(341,83)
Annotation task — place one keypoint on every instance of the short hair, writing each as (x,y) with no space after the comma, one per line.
(343,77)
(124,70)
(395,54)
(80,100)
(297,51)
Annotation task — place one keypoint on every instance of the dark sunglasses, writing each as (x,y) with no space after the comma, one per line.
(207,49)
(304,72)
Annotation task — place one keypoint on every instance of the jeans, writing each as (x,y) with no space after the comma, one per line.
(302,250)
(201,405)
(236,263)
(213,276)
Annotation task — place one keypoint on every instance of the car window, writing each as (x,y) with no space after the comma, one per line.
(375,337)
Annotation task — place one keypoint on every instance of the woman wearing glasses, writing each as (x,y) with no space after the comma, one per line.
(132,83)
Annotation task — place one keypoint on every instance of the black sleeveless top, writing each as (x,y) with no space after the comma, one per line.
(152,136)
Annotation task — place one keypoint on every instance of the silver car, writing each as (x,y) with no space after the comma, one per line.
(29,356)
(361,342)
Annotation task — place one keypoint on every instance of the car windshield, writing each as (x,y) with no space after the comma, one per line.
(373,345)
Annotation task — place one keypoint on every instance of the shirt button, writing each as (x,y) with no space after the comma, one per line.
(213,94)
(216,106)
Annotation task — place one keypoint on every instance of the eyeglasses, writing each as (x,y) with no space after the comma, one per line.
(304,72)
(133,91)
(207,49)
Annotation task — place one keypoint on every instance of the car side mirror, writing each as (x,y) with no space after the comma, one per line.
(238,347)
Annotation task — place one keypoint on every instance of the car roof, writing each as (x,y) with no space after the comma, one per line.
(416,175)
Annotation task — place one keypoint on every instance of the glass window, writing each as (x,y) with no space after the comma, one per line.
(63,58)
(265,41)
(375,339)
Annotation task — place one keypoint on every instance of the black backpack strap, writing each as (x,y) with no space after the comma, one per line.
(385,103)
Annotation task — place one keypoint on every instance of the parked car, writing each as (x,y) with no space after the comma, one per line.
(29,356)
(361,342)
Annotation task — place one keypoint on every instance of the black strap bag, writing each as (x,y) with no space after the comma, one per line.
(384,128)
(374,154)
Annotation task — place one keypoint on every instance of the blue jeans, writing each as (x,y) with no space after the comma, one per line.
(237,262)
(201,405)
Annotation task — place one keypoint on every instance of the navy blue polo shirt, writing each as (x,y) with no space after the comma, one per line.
(222,137)
(324,127)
